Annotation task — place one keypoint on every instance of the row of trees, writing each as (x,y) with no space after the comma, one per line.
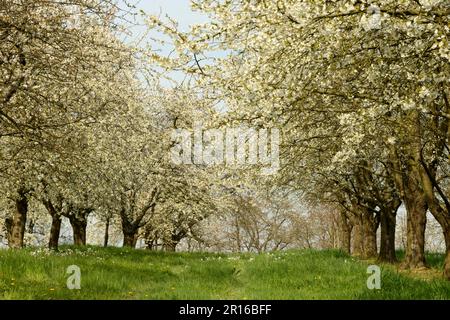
(85,129)
(360,90)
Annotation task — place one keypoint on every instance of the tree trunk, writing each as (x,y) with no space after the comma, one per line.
(439,208)
(31,225)
(345,233)
(415,235)
(55,230)
(447,266)
(357,240)
(19,221)
(150,238)
(407,176)
(447,256)
(130,237)
(369,236)
(79,230)
(8,226)
(130,230)
(106,238)
(170,246)
(150,245)
(56,224)
(387,241)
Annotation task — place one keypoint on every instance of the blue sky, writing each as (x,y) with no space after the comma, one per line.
(180,10)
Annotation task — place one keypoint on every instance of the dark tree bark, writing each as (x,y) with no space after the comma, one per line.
(130,231)
(170,246)
(19,221)
(31,224)
(369,227)
(364,235)
(387,235)
(78,221)
(8,226)
(415,236)
(130,238)
(439,208)
(175,239)
(387,241)
(151,238)
(149,245)
(357,239)
(132,220)
(79,231)
(441,214)
(55,231)
(345,233)
(407,177)
(447,256)
(106,238)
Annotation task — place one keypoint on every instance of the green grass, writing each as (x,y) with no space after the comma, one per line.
(116,273)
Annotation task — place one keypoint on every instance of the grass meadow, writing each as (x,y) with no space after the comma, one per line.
(118,273)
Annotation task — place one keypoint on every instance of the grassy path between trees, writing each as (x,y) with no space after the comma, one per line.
(117,273)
